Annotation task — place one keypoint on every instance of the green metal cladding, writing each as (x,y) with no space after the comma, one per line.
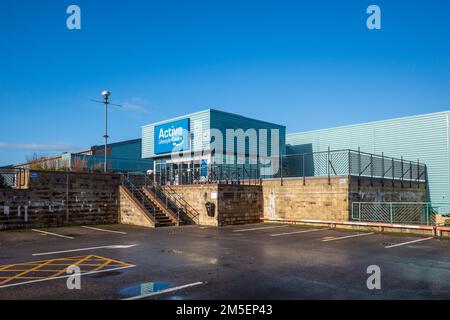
(422,137)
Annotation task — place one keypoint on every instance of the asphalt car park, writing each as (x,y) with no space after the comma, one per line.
(261,261)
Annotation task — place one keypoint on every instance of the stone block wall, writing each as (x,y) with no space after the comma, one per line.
(319,200)
(315,200)
(61,198)
(240,204)
(234,204)
(131,212)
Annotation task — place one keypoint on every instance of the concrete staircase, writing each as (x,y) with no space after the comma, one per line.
(153,208)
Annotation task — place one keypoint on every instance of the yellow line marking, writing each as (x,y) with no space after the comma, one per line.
(24,270)
(24,273)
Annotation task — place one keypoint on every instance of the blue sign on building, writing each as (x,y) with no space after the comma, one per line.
(172,137)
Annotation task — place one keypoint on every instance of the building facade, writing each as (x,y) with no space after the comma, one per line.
(423,138)
(211,140)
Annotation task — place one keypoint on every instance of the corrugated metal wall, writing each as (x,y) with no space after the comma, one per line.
(423,137)
(202,121)
(222,121)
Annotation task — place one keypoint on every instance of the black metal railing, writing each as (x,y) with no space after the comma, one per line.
(136,191)
(303,165)
(213,173)
(169,197)
(352,163)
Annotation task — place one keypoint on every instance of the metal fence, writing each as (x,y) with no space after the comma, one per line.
(215,173)
(317,164)
(420,213)
(12,178)
(353,163)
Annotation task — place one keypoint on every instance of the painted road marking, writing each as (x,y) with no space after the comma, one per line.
(164,291)
(347,237)
(52,234)
(296,232)
(263,228)
(409,242)
(104,230)
(37,271)
(86,249)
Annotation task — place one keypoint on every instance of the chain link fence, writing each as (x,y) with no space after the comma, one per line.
(417,213)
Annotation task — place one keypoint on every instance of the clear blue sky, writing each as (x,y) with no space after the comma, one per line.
(304,64)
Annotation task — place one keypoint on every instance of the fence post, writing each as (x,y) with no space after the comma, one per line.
(328,166)
(382,169)
(393,172)
(359,167)
(304,179)
(402,171)
(410,174)
(427,213)
(371,170)
(281,169)
(349,164)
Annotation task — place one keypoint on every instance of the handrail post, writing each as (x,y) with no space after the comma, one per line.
(410,174)
(393,172)
(359,167)
(328,166)
(303,169)
(402,171)
(281,169)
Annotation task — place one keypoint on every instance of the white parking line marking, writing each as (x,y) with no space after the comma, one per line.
(86,249)
(62,277)
(104,230)
(347,237)
(255,229)
(409,242)
(165,291)
(52,234)
(296,232)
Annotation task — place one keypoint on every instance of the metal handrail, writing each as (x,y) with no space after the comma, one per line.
(175,199)
(142,197)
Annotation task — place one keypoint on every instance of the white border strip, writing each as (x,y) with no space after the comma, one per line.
(52,234)
(104,230)
(409,242)
(347,237)
(165,291)
(62,277)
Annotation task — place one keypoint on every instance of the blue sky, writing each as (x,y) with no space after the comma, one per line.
(305,64)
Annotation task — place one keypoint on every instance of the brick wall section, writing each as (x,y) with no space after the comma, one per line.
(131,212)
(61,198)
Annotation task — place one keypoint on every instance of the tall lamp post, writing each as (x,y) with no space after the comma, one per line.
(106,95)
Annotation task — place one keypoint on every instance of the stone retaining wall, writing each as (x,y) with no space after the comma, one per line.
(61,198)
